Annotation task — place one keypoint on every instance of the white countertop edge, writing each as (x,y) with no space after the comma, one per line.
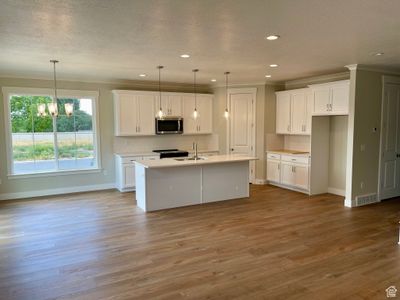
(287,153)
(171,162)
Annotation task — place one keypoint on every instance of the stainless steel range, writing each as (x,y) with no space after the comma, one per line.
(166,153)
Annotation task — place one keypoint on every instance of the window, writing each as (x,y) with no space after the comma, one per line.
(43,144)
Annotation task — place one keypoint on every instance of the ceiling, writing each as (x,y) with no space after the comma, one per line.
(102,40)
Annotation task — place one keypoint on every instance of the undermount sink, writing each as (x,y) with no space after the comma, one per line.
(190,158)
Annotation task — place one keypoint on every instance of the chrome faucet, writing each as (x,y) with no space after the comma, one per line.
(195,150)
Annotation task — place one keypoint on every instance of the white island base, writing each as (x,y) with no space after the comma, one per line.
(168,183)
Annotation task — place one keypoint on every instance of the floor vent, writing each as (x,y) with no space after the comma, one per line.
(366,199)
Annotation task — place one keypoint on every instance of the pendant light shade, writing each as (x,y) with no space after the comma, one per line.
(160,113)
(42,110)
(69,109)
(195,112)
(226,112)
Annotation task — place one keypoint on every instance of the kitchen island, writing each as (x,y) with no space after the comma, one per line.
(175,182)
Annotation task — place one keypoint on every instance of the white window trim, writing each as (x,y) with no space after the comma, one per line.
(8,91)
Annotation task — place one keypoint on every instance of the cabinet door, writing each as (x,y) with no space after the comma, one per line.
(189,123)
(287,173)
(174,105)
(301,177)
(340,99)
(125,114)
(309,110)
(204,107)
(273,171)
(128,173)
(321,101)
(299,113)
(145,106)
(283,113)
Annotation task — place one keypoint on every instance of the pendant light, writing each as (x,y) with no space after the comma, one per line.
(53,110)
(226,113)
(160,113)
(53,106)
(195,112)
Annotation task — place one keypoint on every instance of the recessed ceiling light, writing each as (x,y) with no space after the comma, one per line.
(272,37)
(142,75)
(379,54)
(273,65)
(185,55)
(213,80)
(268,76)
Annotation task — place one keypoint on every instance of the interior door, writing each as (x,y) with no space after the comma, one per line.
(299,113)
(283,113)
(390,142)
(146,114)
(240,127)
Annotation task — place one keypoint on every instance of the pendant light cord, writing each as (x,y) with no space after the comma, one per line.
(194,88)
(226,87)
(55,79)
(159,83)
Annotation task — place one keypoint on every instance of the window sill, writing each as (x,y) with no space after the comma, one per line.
(55,173)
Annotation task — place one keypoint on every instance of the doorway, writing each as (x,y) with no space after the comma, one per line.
(241,131)
(389,165)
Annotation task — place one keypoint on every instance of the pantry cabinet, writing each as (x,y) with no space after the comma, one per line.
(293,112)
(331,98)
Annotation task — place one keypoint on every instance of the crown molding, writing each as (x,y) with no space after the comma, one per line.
(241,84)
(317,79)
(380,69)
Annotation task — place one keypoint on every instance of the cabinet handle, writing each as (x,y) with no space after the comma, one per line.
(288,128)
(327,107)
(330,107)
(294,169)
(279,166)
(136,129)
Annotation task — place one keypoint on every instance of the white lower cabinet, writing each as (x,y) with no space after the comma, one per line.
(274,170)
(290,171)
(125,171)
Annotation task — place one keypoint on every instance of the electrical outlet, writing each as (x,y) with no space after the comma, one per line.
(362,147)
(105,173)
(362,185)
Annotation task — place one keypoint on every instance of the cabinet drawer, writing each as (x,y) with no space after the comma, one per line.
(273,156)
(128,159)
(295,159)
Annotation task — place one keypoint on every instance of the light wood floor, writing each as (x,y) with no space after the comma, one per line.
(276,245)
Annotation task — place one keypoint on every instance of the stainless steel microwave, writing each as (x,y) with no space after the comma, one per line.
(169,125)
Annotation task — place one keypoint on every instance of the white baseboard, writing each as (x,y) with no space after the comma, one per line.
(336,191)
(348,202)
(260,181)
(59,191)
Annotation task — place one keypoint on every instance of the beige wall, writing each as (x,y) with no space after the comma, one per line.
(107,140)
(367,115)
(337,152)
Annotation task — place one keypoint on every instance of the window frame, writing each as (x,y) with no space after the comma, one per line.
(61,93)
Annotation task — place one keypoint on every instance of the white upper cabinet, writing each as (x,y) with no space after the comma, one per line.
(203,124)
(331,98)
(283,113)
(293,112)
(171,105)
(133,113)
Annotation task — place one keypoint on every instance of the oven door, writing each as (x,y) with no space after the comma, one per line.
(169,126)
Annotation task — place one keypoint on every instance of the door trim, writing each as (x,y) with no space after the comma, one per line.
(385,80)
(253,91)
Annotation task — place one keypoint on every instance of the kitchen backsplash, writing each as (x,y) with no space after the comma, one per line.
(298,142)
(149,143)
